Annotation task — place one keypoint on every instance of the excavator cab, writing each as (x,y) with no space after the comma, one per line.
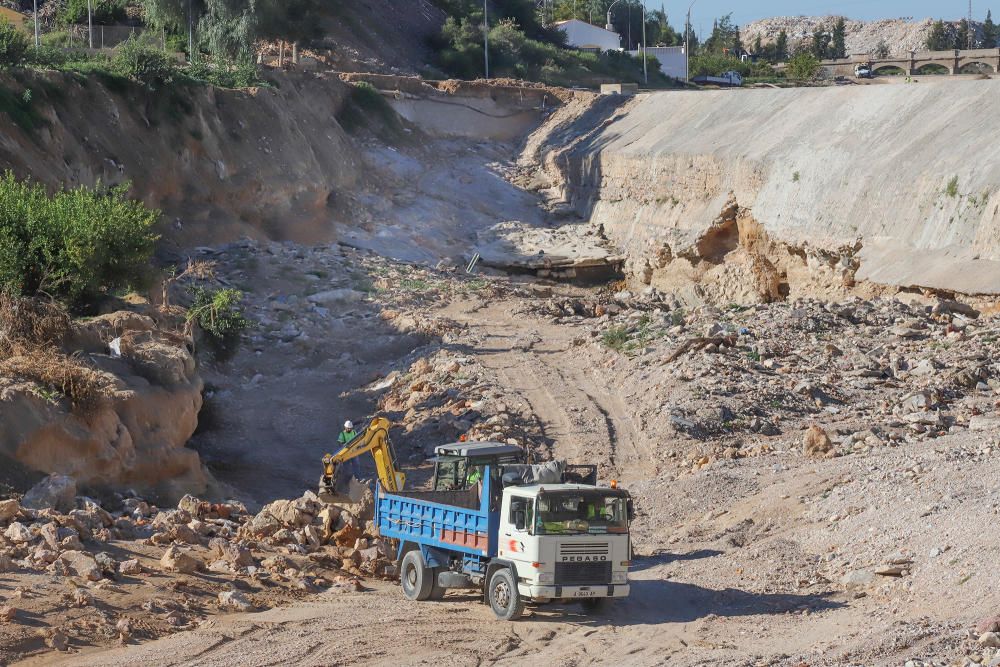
(373,438)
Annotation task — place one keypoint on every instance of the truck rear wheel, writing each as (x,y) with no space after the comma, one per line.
(437,591)
(415,577)
(504,597)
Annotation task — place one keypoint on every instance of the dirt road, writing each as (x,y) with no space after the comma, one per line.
(584,416)
(755,561)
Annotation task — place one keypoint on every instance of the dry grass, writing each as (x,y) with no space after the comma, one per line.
(31,337)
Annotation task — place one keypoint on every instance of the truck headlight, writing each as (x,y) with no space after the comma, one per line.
(619,577)
(546,578)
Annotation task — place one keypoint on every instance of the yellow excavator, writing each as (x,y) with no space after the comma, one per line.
(373,438)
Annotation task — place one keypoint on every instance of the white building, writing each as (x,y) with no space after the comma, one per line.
(582,35)
(673,60)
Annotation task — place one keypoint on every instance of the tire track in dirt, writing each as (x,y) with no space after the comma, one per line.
(583,418)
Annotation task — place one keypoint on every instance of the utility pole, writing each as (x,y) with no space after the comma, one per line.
(970,30)
(486,38)
(190,32)
(90,25)
(687,44)
(37,40)
(645,71)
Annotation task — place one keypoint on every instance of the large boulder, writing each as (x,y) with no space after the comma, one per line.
(18,533)
(8,510)
(817,443)
(82,564)
(176,560)
(56,491)
(235,554)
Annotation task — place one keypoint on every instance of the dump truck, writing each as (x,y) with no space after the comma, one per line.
(518,532)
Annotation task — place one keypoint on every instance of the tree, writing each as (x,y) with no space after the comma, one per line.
(13,44)
(963,36)
(989,32)
(724,34)
(781,47)
(820,43)
(758,47)
(881,49)
(838,47)
(803,66)
(737,43)
(937,38)
(230,29)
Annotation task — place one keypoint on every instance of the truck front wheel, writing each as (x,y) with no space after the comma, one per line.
(504,598)
(415,577)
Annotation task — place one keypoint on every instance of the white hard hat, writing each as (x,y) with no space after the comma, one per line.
(348,425)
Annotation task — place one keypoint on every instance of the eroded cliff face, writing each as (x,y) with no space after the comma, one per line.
(891,185)
(220,163)
(134,435)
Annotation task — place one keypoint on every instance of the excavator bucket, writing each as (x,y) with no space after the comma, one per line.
(334,486)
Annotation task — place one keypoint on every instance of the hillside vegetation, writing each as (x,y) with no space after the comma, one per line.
(522,47)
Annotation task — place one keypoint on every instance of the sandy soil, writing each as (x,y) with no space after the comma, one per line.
(744,562)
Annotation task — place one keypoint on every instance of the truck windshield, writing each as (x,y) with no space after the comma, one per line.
(577,514)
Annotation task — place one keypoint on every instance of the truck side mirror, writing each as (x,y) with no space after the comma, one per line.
(520,519)
(630,507)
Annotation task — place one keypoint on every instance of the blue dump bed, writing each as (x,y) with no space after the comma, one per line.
(450,520)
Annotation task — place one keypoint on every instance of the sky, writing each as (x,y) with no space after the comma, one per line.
(745,11)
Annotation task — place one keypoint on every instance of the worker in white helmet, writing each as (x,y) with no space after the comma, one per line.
(347,434)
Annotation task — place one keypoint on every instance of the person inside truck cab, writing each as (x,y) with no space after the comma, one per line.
(474,477)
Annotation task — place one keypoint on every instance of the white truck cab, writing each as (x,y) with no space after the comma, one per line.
(566,541)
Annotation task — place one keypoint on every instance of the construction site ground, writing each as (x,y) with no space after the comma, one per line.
(768,557)
(815,478)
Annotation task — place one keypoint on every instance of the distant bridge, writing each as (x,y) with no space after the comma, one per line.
(970,61)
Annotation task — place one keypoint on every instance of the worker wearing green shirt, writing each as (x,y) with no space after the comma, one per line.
(347,434)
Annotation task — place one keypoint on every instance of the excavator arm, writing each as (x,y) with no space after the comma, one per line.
(375,439)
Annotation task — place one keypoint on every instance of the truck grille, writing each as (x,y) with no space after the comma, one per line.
(586,550)
(583,574)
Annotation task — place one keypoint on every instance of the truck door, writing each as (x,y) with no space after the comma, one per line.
(516,516)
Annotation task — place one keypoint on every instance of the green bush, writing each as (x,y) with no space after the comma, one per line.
(715,64)
(219,313)
(74,245)
(13,44)
(47,56)
(952,188)
(103,11)
(803,66)
(143,64)
(367,108)
(225,75)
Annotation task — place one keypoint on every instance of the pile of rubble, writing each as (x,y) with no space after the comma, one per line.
(899,35)
(447,396)
(220,556)
(751,379)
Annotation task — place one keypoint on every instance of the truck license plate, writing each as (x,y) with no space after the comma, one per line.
(585,594)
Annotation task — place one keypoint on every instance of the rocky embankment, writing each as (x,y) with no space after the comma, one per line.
(757,195)
(110,400)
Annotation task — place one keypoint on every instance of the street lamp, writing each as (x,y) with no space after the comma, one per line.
(687,45)
(609,27)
